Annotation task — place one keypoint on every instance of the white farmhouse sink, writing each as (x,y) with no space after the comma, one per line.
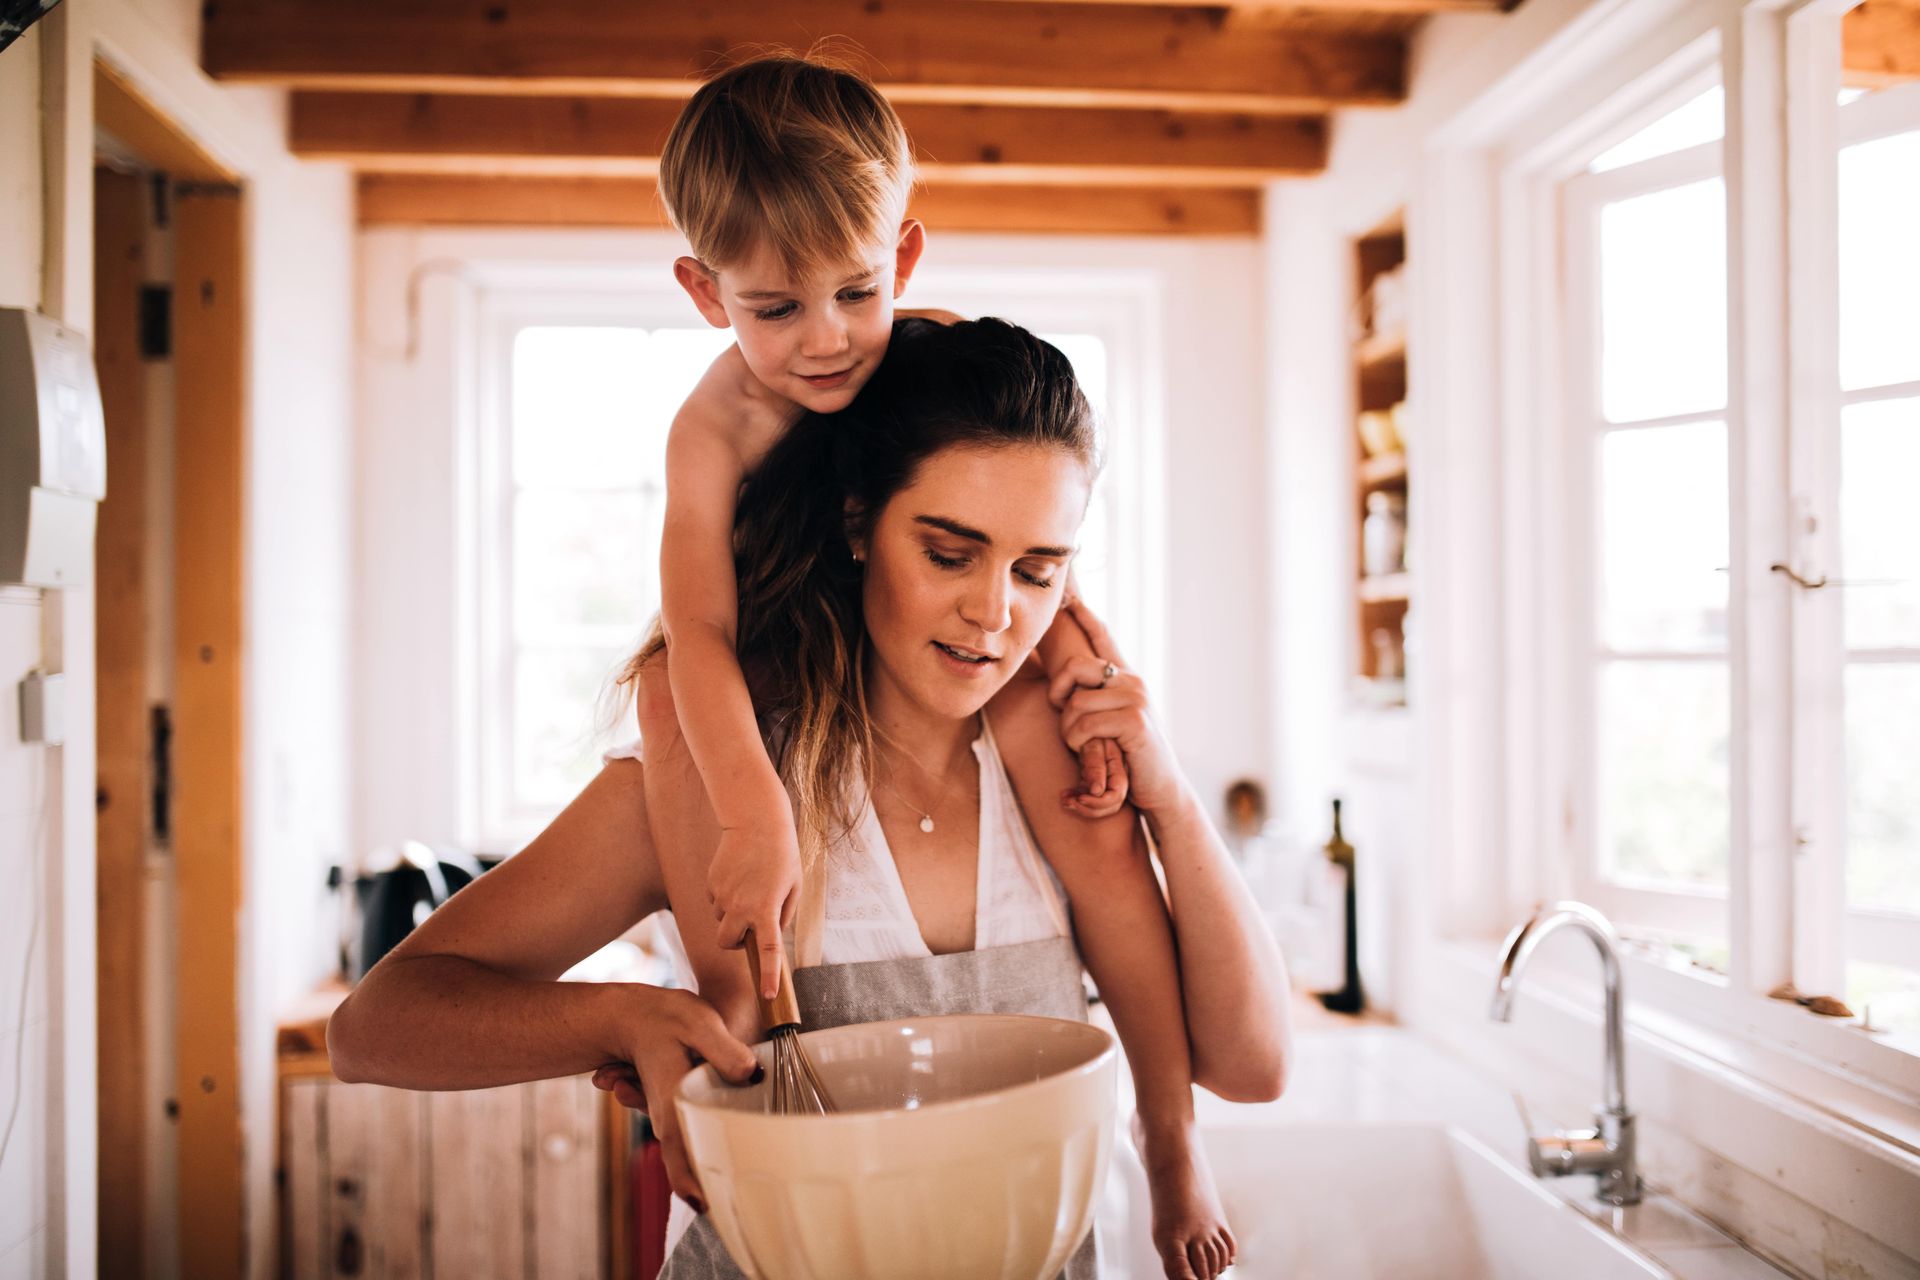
(1390,1160)
(1398,1202)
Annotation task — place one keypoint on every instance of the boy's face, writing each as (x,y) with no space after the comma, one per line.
(815,341)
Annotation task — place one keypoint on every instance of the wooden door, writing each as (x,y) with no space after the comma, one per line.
(121,611)
(208,667)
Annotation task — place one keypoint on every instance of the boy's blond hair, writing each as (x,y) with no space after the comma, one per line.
(808,157)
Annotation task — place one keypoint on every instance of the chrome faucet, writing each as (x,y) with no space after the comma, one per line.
(1607,1148)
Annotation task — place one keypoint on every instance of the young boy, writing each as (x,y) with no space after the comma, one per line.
(790,179)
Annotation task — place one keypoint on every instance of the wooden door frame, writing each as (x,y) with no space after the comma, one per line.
(207,834)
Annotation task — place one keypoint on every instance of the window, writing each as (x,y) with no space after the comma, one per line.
(1878,574)
(1647,409)
(567,522)
(1654,482)
(574,494)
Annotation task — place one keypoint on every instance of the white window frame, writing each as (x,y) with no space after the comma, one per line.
(1781,389)
(503,309)
(1679,909)
(1821,653)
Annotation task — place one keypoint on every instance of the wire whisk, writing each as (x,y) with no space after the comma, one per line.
(797,1089)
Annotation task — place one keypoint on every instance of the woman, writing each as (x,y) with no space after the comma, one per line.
(898,563)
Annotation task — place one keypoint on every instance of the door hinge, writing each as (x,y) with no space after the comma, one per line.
(156,321)
(161,726)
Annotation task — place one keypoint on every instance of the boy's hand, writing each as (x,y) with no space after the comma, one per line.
(754,884)
(1103,779)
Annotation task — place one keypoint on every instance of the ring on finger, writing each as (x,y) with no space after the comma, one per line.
(1107,673)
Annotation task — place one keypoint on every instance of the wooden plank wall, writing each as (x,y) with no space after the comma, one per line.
(484,1183)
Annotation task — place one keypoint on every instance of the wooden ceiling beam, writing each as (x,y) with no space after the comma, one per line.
(1012,52)
(481,134)
(1335,8)
(1880,42)
(464,200)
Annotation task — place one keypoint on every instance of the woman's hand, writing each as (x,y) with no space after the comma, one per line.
(1096,705)
(673,1031)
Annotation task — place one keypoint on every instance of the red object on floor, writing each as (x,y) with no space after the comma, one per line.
(652,1197)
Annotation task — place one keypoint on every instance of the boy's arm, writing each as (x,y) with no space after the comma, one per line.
(756,868)
(1119,914)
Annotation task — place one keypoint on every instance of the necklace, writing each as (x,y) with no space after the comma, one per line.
(926,815)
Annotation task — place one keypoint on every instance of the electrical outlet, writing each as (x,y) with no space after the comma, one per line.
(43,709)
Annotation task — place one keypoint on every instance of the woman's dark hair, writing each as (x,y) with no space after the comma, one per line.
(801,634)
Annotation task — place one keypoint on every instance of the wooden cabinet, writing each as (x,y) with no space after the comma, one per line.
(507,1182)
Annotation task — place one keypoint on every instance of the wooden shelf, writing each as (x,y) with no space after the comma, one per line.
(1386,588)
(1383,470)
(1380,350)
(1383,602)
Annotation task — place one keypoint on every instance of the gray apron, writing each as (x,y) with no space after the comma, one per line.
(1034,977)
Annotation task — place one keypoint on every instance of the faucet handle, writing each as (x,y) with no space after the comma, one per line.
(1520,1104)
(1569,1151)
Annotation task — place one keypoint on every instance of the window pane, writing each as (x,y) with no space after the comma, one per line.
(582,414)
(1663,303)
(556,693)
(1880,524)
(581,560)
(1883,804)
(1663,772)
(1701,120)
(1091,568)
(1890,993)
(1664,538)
(1880,262)
(679,357)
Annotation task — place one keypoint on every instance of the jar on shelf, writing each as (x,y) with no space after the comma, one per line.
(1383,534)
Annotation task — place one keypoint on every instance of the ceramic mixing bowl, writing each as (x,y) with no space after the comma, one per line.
(967,1147)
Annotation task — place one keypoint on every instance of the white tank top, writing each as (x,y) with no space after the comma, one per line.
(1017,896)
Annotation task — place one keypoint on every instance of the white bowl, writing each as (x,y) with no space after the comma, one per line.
(967,1146)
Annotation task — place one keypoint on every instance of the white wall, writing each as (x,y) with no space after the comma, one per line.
(408,690)
(298,272)
(31,1167)
(46,1003)
(1772,1163)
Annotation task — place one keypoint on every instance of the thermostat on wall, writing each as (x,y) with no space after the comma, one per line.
(53,451)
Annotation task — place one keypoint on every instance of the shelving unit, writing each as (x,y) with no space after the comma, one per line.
(1383,589)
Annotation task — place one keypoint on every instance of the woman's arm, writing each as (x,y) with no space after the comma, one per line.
(1232,977)
(469,999)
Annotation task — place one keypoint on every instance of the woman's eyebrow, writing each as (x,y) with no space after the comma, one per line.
(959,530)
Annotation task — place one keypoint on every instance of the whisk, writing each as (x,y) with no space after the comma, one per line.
(796,1086)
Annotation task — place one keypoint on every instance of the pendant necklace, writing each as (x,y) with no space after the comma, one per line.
(926,815)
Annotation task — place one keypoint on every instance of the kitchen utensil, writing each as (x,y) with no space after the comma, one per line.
(796,1089)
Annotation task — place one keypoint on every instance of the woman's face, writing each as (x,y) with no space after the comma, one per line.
(966,567)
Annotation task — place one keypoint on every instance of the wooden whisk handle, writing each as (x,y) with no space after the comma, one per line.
(784,1009)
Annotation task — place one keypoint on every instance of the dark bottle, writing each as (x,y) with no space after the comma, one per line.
(1348,999)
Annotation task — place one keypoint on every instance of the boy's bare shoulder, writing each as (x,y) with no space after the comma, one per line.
(728,414)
